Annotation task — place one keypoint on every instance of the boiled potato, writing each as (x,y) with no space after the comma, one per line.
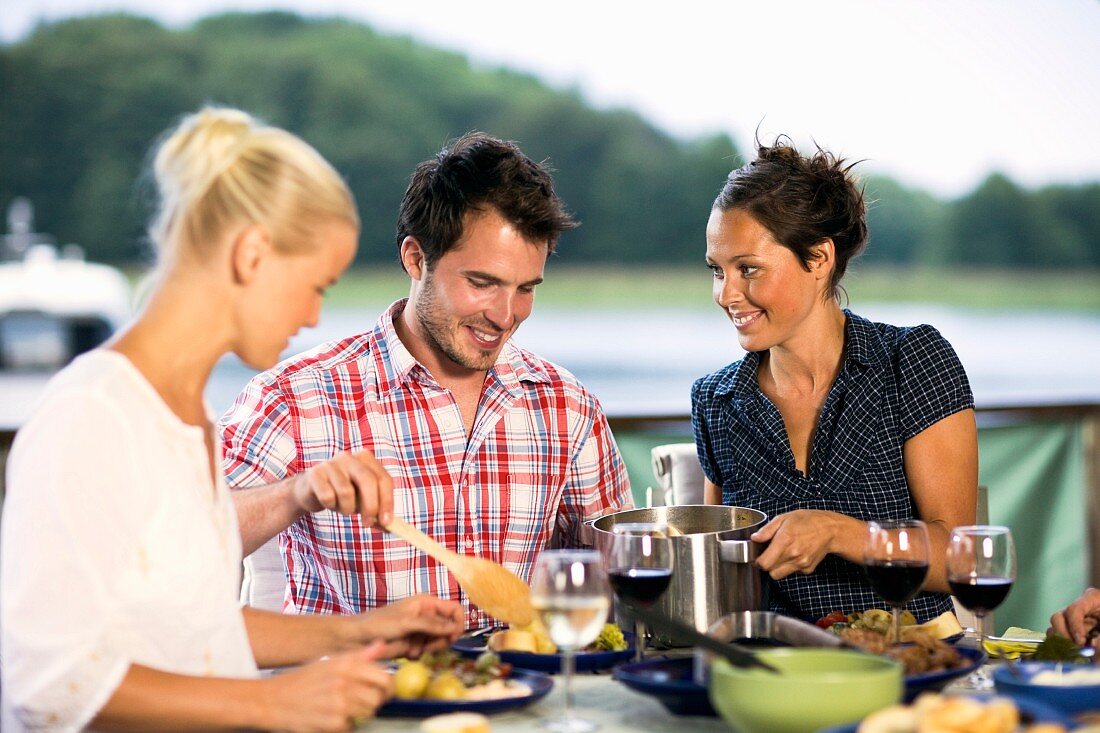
(875,616)
(445,686)
(411,680)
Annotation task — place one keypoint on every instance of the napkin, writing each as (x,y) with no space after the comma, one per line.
(1014,642)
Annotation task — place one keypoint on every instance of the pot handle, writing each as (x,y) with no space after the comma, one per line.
(739,551)
(586,531)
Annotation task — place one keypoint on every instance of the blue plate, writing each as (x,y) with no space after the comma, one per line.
(472,646)
(1070,699)
(671,681)
(539,683)
(1030,712)
(934,681)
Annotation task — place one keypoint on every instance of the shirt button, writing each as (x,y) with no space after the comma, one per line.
(469,541)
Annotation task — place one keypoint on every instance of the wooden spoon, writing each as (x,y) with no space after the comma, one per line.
(493,588)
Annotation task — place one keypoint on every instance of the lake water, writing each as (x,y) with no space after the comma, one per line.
(640,362)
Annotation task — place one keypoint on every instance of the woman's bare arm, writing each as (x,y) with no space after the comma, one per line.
(941,467)
(712,492)
(408,627)
(324,696)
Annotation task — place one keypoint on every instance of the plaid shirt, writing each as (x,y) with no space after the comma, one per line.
(894,383)
(540,458)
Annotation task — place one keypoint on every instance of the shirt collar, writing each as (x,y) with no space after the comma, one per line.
(863,344)
(741,381)
(396,365)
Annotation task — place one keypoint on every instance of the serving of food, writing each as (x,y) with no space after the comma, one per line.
(448,676)
(1071,688)
(530,647)
(956,714)
(447,681)
(944,626)
(535,639)
(922,651)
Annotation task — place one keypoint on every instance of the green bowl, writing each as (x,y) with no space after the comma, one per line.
(815,688)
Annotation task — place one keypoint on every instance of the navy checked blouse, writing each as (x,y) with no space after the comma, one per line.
(894,383)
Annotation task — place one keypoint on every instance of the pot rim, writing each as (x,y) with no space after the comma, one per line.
(763,518)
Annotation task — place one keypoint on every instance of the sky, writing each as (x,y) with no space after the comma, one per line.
(937,93)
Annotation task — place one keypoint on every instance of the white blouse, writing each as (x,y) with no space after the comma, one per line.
(116,548)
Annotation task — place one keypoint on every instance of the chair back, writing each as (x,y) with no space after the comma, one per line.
(678,473)
(264,582)
(981,516)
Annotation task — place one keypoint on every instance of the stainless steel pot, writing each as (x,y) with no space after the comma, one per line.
(713,574)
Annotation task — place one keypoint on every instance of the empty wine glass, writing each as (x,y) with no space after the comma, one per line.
(895,558)
(639,564)
(981,567)
(570,592)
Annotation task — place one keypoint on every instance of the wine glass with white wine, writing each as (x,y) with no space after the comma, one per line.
(569,590)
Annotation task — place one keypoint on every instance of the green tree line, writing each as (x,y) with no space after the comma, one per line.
(81,101)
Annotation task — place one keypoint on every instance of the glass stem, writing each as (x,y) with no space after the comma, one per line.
(897,623)
(567,665)
(639,641)
(980,617)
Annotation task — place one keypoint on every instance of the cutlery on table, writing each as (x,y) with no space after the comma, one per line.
(737,656)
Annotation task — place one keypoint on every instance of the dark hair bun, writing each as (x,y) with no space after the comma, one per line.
(802,200)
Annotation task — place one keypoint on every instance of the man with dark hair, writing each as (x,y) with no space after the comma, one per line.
(492,450)
(477,173)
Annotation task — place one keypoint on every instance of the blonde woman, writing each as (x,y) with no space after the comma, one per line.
(120,547)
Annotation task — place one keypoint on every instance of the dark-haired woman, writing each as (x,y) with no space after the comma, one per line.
(830,420)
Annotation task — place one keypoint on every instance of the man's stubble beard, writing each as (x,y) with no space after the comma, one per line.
(441,339)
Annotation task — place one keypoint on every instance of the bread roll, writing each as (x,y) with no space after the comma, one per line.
(533,638)
(513,640)
(456,723)
(894,719)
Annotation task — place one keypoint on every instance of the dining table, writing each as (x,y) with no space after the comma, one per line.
(604,700)
(597,697)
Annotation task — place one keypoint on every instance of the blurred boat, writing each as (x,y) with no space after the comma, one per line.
(53,304)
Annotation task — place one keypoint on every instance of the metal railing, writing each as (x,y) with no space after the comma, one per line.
(679,424)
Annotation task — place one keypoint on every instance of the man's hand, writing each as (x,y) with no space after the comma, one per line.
(1079,617)
(349,483)
(410,626)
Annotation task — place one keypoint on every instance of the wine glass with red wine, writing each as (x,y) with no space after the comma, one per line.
(895,559)
(981,567)
(639,567)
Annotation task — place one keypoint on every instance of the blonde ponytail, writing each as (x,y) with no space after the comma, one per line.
(221,167)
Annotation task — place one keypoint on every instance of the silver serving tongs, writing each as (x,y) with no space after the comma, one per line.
(737,656)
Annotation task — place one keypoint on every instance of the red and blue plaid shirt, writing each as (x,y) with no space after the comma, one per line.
(540,459)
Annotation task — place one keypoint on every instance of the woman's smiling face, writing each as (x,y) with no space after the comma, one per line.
(762,286)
